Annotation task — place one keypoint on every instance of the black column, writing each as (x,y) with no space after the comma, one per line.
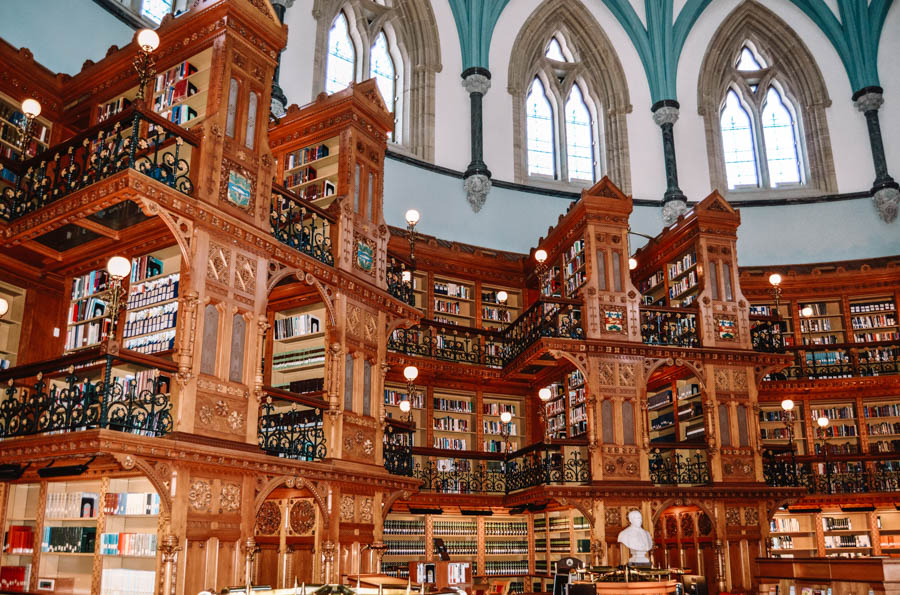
(477,178)
(885,191)
(279,101)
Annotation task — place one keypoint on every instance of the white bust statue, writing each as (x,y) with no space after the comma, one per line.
(637,539)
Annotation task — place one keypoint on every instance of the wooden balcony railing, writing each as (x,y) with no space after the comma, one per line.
(136,138)
(841,360)
(679,466)
(675,327)
(55,396)
(301,225)
(449,343)
(547,317)
(765,334)
(835,477)
(292,432)
(397,286)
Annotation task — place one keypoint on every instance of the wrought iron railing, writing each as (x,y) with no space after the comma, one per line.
(765,334)
(548,465)
(843,477)
(469,477)
(841,360)
(669,326)
(449,343)
(679,467)
(400,281)
(291,433)
(65,401)
(301,225)
(547,317)
(135,139)
(398,457)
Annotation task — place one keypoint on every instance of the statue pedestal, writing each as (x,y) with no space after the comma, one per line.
(637,588)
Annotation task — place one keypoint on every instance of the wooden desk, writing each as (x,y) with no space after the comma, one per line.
(845,576)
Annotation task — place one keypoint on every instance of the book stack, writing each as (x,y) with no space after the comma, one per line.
(131,503)
(128,544)
(117,581)
(304,324)
(69,540)
(493,427)
(305,155)
(298,358)
(106,111)
(172,86)
(71,505)
(15,579)
(453,290)
(152,292)
(19,540)
(393,397)
(145,267)
(458,405)
(450,443)
(151,320)
(85,285)
(162,341)
(451,424)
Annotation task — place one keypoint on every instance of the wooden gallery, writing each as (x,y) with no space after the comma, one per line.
(221,367)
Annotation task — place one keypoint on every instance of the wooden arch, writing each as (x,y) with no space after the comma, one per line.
(292,481)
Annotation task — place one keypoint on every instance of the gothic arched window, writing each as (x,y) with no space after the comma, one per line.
(381,68)
(340,68)
(541,144)
(579,137)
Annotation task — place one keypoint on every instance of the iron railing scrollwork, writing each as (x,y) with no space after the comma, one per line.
(765,334)
(843,477)
(300,225)
(669,326)
(134,139)
(547,466)
(671,467)
(448,343)
(396,285)
(292,433)
(547,317)
(398,457)
(455,479)
(78,404)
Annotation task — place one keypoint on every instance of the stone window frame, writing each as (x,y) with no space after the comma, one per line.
(413,42)
(598,71)
(792,70)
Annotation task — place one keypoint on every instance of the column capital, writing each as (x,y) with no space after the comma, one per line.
(284,3)
(887,203)
(870,101)
(476,82)
(665,115)
(477,186)
(672,209)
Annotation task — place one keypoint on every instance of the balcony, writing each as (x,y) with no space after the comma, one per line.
(134,139)
(841,360)
(301,225)
(679,466)
(449,343)
(290,426)
(61,396)
(835,477)
(674,327)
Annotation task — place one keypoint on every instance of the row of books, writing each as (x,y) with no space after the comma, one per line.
(295,326)
(837,523)
(577,396)
(845,412)
(13,116)
(108,110)
(821,325)
(174,94)
(498,408)
(89,284)
(128,544)
(576,263)
(494,427)
(495,314)
(839,541)
(151,320)
(298,358)
(681,265)
(156,343)
(315,191)
(149,293)
(71,505)
(455,405)
(87,309)
(873,321)
(886,410)
(454,528)
(450,424)
(659,400)
(825,340)
(69,540)
(302,176)
(784,525)
(173,75)
(654,280)
(575,250)
(880,306)
(405,527)
(131,503)
(578,414)
(450,443)
(19,540)
(446,307)
(144,380)
(393,397)
(145,267)
(123,581)
(556,423)
(839,431)
(453,290)
(683,285)
(574,282)
(305,155)
(885,429)
(15,579)
(873,337)
(180,114)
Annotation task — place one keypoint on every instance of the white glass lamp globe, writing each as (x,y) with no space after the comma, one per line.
(31,108)
(822,421)
(775,279)
(119,267)
(544,394)
(540,256)
(502,296)
(787,405)
(406,276)
(148,40)
(632,263)
(405,406)
(806,311)
(4,307)
(506,417)
(410,373)
(412,216)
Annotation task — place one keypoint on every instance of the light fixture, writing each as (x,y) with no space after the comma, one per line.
(406,276)
(4,307)
(506,429)
(412,217)
(787,417)
(632,263)
(775,282)
(787,405)
(31,109)
(405,406)
(822,421)
(64,470)
(410,373)
(502,296)
(540,255)
(806,311)
(118,268)
(506,417)
(545,394)
(147,40)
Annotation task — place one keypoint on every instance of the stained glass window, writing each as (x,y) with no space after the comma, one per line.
(539,130)
(554,51)
(579,138)
(780,134)
(737,143)
(382,69)
(155,10)
(748,62)
(339,69)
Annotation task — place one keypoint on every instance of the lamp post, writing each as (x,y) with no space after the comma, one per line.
(505,428)
(410,373)
(412,217)
(775,282)
(545,394)
(823,423)
(118,268)
(540,256)
(31,109)
(148,41)
(787,416)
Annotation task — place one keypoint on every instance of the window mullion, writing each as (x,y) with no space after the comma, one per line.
(562,146)
(759,140)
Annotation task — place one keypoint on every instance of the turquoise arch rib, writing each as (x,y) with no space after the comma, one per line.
(475,21)
(855,36)
(659,44)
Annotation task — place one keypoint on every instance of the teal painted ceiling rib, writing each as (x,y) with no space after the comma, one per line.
(475,21)
(855,37)
(659,44)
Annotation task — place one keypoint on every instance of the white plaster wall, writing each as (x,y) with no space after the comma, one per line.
(297,59)
(889,71)
(451,139)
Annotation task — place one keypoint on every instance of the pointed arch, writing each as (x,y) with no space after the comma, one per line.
(595,67)
(784,57)
(412,34)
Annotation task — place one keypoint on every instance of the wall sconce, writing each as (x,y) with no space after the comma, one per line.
(775,282)
(412,217)
(31,109)
(118,268)
(148,41)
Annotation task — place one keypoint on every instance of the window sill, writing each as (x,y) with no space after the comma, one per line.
(772,193)
(558,185)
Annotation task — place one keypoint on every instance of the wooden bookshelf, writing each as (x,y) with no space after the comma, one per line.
(494,314)
(152,310)
(393,394)
(312,172)
(453,420)
(558,534)
(453,301)
(298,355)
(774,433)
(874,319)
(824,325)
(675,411)
(11,324)
(882,420)
(11,119)
(842,433)
(86,321)
(492,406)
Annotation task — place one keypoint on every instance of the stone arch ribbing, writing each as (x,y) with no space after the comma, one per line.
(602,72)
(417,36)
(791,63)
